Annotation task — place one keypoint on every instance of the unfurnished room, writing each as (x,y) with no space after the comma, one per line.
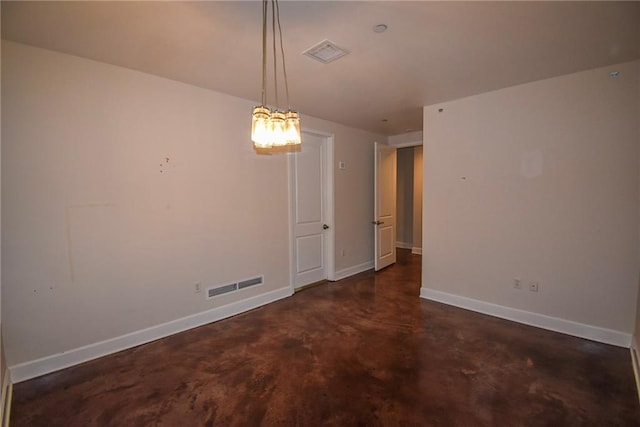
(304,213)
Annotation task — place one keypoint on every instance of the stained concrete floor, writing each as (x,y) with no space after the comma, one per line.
(365,351)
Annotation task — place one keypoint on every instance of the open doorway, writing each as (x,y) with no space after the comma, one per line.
(409,199)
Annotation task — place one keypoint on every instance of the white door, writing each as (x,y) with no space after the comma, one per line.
(385,206)
(309,198)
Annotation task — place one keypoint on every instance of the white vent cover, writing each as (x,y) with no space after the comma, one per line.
(325,52)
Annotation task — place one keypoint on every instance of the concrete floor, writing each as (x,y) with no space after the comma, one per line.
(364,351)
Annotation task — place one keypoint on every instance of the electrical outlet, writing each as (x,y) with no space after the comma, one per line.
(197,288)
(517,283)
(533,286)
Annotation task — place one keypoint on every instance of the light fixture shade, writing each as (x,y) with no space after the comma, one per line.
(292,128)
(260,134)
(276,126)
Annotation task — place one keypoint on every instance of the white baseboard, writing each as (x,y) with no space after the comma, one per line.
(342,274)
(403,245)
(7,395)
(635,361)
(417,251)
(45,365)
(594,333)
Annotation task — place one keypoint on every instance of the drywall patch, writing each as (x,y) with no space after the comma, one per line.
(166,165)
(531,164)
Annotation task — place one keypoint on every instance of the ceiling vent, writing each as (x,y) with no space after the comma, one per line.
(325,52)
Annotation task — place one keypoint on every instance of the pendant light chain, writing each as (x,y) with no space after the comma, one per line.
(264,52)
(270,127)
(273,40)
(284,67)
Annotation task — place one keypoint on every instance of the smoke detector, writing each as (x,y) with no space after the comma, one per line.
(326,51)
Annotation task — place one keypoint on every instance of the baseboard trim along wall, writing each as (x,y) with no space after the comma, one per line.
(403,245)
(635,361)
(343,274)
(45,365)
(7,395)
(594,333)
(416,251)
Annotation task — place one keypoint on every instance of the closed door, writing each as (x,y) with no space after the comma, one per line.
(384,206)
(309,218)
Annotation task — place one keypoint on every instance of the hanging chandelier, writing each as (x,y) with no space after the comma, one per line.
(271,127)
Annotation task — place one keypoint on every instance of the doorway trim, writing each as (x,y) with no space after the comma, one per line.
(328,204)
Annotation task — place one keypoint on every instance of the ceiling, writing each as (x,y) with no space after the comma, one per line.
(432,51)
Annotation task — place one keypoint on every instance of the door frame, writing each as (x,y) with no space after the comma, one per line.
(328,205)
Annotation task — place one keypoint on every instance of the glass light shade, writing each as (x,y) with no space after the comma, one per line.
(276,126)
(292,128)
(260,134)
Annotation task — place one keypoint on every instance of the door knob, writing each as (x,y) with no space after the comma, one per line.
(325,226)
(377,222)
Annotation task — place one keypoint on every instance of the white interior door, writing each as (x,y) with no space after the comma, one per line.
(309,198)
(385,206)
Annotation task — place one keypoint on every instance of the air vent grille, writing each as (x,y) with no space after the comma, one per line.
(326,51)
(249,282)
(232,287)
(213,292)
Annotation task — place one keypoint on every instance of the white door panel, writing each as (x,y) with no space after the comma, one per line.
(309,211)
(308,170)
(386,241)
(385,206)
(309,253)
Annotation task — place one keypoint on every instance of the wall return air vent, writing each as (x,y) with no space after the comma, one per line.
(232,287)
(325,52)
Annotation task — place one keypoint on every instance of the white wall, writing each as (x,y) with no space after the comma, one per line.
(104,236)
(404,198)
(540,182)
